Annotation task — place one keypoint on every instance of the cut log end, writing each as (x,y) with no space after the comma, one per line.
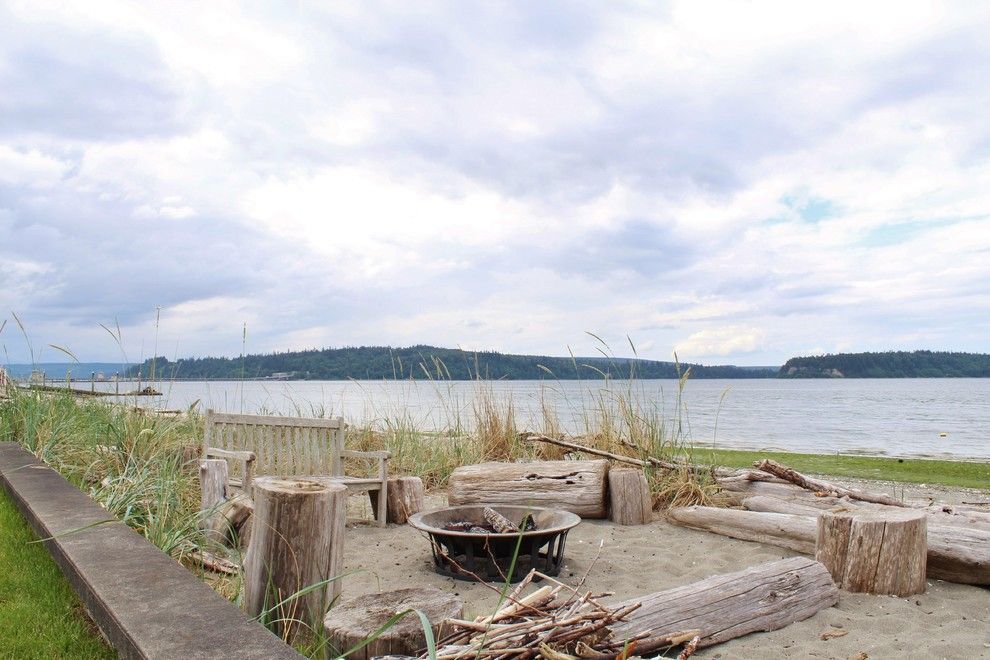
(630,500)
(875,552)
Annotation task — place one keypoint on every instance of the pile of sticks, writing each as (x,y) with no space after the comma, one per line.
(556,622)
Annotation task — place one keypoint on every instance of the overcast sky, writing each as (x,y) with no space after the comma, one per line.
(739,182)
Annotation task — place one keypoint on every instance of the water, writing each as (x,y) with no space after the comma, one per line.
(897,417)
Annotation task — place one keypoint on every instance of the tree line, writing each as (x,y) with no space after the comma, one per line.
(428,362)
(889,364)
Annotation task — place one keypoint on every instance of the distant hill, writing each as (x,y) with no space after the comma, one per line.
(421,362)
(891,364)
(58,370)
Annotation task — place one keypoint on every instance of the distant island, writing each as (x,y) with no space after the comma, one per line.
(890,364)
(427,362)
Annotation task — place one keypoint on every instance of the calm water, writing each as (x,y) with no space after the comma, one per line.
(901,417)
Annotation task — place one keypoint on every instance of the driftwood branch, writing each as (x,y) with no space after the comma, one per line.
(819,486)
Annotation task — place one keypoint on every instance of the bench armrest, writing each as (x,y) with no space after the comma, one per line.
(246,458)
(353,453)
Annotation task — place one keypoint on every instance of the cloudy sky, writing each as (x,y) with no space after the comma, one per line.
(739,182)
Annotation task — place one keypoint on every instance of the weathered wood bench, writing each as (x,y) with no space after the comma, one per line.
(290,447)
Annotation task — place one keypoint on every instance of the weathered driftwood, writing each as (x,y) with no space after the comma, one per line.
(350,623)
(576,486)
(499,523)
(955,554)
(213,474)
(803,502)
(629,497)
(297,539)
(874,552)
(723,607)
(819,486)
(794,532)
(629,460)
(405,496)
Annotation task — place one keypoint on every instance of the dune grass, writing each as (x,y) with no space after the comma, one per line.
(40,616)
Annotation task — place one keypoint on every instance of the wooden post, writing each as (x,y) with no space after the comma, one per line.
(405,497)
(213,475)
(630,501)
(875,552)
(350,623)
(297,540)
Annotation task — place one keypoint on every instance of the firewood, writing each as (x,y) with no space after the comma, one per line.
(499,523)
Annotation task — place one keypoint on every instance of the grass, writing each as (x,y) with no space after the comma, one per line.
(905,470)
(40,616)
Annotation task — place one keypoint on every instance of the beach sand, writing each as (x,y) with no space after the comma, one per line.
(948,621)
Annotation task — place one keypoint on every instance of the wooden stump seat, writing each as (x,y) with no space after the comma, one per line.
(350,623)
(875,552)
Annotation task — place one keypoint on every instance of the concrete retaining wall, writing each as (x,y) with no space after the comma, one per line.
(145,603)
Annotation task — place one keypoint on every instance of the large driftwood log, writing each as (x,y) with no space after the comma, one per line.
(810,505)
(955,554)
(576,486)
(874,552)
(405,496)
(297,539)
(350,623)
(629,497)
(793,532)
(723,607)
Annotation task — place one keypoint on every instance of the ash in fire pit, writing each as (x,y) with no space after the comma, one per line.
(469,541)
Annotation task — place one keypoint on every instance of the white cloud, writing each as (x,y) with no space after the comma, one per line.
(738,182)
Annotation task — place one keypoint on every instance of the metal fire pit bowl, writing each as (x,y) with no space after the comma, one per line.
(488,556)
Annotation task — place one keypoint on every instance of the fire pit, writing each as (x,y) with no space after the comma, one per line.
(488,555)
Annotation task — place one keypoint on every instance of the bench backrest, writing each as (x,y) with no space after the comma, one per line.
(284,446)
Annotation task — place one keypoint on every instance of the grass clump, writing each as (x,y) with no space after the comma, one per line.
(40,616)
(132,463)
(963,474)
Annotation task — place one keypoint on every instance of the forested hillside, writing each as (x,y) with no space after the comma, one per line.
(378,362)
(891,364)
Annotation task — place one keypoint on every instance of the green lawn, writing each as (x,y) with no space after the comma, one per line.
(919,471)
(40,616)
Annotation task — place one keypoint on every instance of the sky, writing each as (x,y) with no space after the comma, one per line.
(736,182)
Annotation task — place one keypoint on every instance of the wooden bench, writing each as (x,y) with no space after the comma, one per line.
(290,447)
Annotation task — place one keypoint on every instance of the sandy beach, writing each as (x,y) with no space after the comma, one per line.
(948,621)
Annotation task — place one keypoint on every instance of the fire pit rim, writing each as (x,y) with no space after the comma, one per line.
(571,520)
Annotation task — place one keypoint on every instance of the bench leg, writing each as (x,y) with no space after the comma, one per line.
(382,504)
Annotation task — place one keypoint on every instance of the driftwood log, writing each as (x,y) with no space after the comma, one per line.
(955,554)
(297,539)
(350,623)
(405,496)
(576,486)
(723,607)
(629,497)
(874,552)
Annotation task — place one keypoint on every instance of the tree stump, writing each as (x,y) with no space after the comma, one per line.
(875,552)
(297,540)
(630,501)
(213,475)
(350,623)
(405,496)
